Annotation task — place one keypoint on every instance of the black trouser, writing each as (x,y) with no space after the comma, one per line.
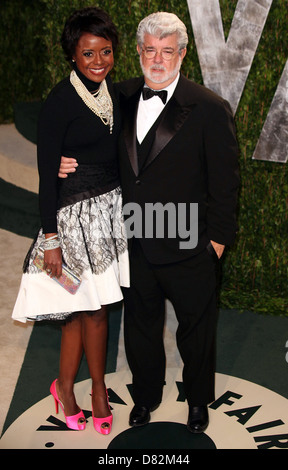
(190,285)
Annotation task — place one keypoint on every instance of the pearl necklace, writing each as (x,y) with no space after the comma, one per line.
(99,102)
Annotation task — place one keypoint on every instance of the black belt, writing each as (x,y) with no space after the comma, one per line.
(94,192)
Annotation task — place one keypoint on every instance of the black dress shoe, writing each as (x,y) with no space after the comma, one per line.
(198,419)
(140,415)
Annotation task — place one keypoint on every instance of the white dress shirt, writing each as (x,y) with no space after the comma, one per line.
(149,110)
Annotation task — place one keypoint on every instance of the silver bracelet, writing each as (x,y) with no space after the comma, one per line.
(52,238)
(51,243)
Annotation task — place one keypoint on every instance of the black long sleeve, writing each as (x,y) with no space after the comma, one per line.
(68,127)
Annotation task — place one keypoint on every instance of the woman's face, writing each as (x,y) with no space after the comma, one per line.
(94,56)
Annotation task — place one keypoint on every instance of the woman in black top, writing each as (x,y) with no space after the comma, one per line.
(81,216)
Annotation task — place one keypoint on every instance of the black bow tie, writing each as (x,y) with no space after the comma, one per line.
(148,93)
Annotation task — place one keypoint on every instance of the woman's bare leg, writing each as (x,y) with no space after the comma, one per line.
(94,328)
(70,356)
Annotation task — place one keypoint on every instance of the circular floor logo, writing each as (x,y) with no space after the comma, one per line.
(244,416)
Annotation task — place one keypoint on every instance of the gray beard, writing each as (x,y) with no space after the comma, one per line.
(168,75)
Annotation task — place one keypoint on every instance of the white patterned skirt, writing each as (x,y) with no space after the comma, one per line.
(94,247)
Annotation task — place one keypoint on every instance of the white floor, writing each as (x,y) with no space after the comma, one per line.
(13,336)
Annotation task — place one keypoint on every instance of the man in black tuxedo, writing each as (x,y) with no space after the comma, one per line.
(183,151)
(180,151)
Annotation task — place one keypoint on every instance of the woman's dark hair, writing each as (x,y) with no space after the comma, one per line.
(91,20)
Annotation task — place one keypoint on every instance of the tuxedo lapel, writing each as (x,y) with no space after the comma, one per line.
(130,115)
(173,117)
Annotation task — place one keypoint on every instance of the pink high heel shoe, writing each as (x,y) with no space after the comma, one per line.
(76,422)
(103,425)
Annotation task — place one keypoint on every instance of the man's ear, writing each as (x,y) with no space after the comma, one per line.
(183,53)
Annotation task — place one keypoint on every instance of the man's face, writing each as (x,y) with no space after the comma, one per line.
(162,68)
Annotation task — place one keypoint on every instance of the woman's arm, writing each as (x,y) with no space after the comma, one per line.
(52,257)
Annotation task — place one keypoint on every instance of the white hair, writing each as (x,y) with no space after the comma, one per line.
(161,25)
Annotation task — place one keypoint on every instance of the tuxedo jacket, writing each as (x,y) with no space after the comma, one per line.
(190,156)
